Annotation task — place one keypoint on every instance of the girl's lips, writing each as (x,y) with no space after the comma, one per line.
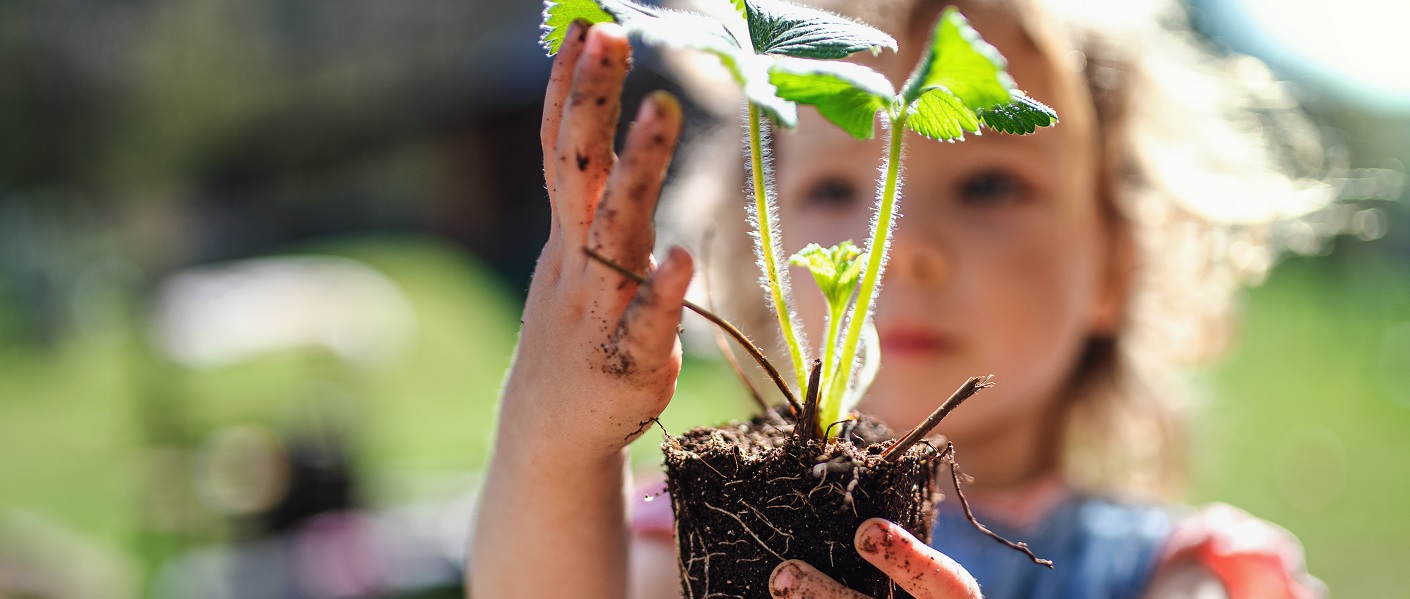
(915,342)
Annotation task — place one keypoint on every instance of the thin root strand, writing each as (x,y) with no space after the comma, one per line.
(969,514)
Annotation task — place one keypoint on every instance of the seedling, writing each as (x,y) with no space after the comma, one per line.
(761,32)
(959,85)
(747,491)
(780,55)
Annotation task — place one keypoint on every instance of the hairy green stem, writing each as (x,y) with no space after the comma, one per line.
(829,348)
(876,250)
(768,249)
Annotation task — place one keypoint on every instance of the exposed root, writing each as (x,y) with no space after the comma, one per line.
(641,428)
(765,520)
(747,530)
(785,501)
(969,515)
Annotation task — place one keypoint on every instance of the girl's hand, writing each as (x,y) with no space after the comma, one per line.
(916,567)
(598,355)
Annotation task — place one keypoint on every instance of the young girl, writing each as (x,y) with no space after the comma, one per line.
(1076,264)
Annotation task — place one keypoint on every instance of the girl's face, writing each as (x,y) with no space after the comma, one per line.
(1000,263)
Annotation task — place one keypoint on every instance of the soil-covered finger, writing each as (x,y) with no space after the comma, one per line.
(560,82)
(583,155)
(645,338)
(622,228)
(794,579)
(922,571)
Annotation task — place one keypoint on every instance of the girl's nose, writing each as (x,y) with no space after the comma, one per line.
(918,257)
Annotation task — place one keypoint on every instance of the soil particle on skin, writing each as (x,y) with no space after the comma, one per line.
(868,544)
(748,496)
(616,362)
(639,193)
(645,297)
(607,217)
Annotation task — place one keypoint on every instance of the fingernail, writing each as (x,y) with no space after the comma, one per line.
(784,578)
(608,29)
(657,105)
(647,110)
(871,538)
(678,257)
(665,102)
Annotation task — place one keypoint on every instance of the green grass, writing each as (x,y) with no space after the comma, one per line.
(72,419)
(67,435)
(1299,429)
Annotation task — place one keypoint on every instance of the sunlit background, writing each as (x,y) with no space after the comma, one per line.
(261,264)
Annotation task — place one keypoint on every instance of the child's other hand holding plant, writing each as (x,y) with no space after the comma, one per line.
(598,355)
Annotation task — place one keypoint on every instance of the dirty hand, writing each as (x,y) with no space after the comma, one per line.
(916,567)
(598,355)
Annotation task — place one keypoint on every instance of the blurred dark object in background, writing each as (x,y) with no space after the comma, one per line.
(189,132)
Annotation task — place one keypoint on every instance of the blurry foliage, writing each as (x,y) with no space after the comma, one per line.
(1300,430)
(165,133)
(97,91)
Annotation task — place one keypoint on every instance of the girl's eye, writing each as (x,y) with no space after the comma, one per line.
(991,188)
(831,193)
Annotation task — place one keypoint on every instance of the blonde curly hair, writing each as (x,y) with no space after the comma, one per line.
(1202,158)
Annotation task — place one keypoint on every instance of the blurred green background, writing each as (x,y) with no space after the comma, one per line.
(147,143)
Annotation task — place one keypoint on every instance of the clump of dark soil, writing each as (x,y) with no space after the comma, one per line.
(749,496)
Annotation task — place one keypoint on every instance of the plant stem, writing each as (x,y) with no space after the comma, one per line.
(807,429)
(768,248)
(876,253)
(829,350)
(968,389)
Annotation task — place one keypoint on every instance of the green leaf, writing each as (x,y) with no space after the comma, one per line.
(961,62)
(938,114)
(1022,116)
(558,15)
(661,27)
(740,8)
(777,27)
(752,73)
(836,270)
(846,94)
(676,29)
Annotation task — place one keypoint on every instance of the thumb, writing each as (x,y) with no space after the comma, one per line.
(795,579)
